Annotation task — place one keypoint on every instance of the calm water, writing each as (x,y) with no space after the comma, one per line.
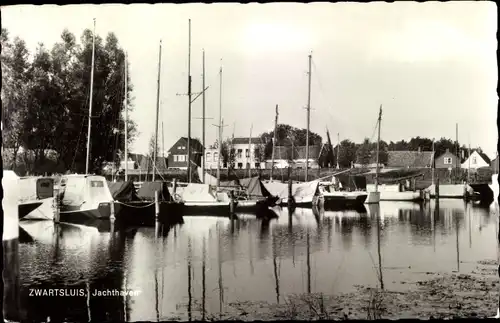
(206,263)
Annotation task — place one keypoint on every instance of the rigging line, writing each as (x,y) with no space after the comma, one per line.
(322,90)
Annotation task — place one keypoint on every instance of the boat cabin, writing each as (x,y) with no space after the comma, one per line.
(88,191)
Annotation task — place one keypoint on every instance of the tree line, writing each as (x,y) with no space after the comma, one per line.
(45,103)
(346,152)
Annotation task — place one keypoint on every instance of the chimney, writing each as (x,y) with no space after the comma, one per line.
(447,150)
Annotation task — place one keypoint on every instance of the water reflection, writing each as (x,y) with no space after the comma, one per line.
(178,269)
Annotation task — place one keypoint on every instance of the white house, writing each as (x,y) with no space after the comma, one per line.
(244,149)
(477,160)
(211,157)
(295,157)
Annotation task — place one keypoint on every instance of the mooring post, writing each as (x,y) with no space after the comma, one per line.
(290,194)
(231,204)
(157,205)
(437,188)
(56,204)
(112,217)
(174,187)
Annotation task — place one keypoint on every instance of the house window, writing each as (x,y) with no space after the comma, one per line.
(447,161)
(247,153)
(474,160)
(209,156)
(240,152)
(216,156)
(240,165)
(257,165)
(179,158)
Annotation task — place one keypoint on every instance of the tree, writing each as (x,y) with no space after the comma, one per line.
(14,58)
(228,153)
(260,153)
(287,135)
(347,153)
(364,153)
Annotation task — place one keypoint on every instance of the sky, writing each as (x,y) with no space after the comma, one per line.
(431,65)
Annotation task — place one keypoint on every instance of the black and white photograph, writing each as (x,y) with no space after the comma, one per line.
(254,162)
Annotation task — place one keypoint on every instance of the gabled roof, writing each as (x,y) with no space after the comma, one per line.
(413,159)
(483,155)
(244,141)
(300,152)
(281,152)
(193,142)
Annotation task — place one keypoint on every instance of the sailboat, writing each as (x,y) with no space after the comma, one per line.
(202,199)
(328,193)
(140,208)
(85,196)
(388,194)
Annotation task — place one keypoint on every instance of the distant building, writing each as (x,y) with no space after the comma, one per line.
(476,160)
(244,149)
(281,157)
(447,160)
(372,163)
(409,159)
(179,151)
(299,156)
(138,164)
(211,158)
(295,157)
(495,165)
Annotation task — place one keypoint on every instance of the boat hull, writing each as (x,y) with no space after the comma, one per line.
(203,209)
(373,198)
(401,196)
(143,213)
(79,215)
(343,201)
(26,208)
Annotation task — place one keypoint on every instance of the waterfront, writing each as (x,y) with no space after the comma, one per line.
(179,272)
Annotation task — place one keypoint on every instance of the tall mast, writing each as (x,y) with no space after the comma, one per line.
(378,147)
(308,117)
(274,141)
(162,140)
(468,170)
(125,106)
(219,146)
(157,112)
(457,151)
(433,162)
(203,136)
(90,102)
(250,152)
(338,150)
(189,108)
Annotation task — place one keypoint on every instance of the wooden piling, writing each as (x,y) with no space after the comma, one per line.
(56,205)
(174,186)
(290,193)
(157,205)
(112,211)
(437,187)
(231,204)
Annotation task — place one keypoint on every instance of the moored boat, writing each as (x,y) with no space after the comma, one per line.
(304,194)
(395,193)
(332,198)
(203,199)
(139,208)
(251,195)
(84,197)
